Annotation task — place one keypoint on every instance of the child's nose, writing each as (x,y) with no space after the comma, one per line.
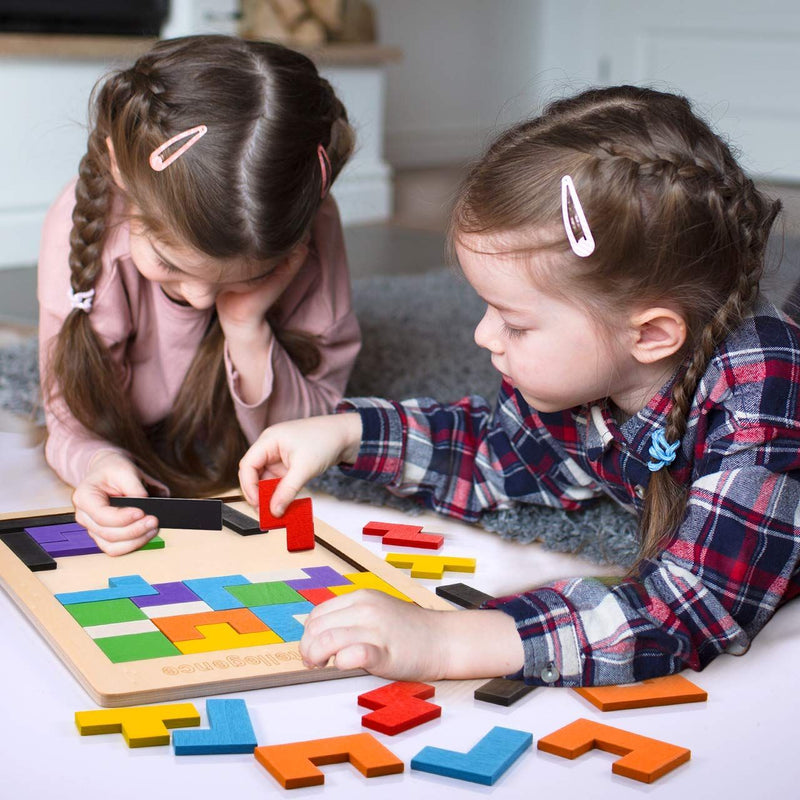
(486,333)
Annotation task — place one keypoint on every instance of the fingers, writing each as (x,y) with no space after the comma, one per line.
(286,491)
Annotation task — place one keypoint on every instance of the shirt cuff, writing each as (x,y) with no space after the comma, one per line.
(234,380)
(549,638)
(380,457)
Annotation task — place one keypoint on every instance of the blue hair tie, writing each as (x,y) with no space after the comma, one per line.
(661,452)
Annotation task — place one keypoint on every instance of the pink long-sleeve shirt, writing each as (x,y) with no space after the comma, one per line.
(153,339)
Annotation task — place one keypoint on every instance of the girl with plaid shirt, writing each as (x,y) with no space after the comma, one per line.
(618,246)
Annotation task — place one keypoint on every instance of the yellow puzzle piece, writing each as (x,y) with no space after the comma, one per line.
(423,566)
(142,726)
(221,636)
(367,580)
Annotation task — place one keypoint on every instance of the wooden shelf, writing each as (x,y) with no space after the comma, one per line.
(42,45)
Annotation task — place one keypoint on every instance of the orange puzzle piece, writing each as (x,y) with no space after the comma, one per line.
(183,628)
(295,765)
(643,759)
(298,518)
(666,691)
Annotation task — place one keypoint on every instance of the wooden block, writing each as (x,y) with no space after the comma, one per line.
(643,759)
(316,596)
(318,578)
(172,592)
(137,647)
(403,535)
(28,551)
(187,626)
(142,726)
(124,586)
(666,691)
(106,612)
(224,637)
(177,512)
(462,595)
(368,580)
(483,764)
(265,594)
(298,518)
(503,692)
(241,523)
(230,731)
(176,609)
(430,566)
(20,523)
(121,628)
(282,618)
(66,539)
(398,706)
(295,765)
(214,590)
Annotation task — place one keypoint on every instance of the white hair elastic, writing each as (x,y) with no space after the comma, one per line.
(585,245)
(81,300)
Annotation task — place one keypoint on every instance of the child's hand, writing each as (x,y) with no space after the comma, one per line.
(116,530)
(297,451)
(399,640)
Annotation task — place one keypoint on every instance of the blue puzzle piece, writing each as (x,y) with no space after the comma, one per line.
(213,592)
(229,731)
(119,588)
(484,763)
(281,618)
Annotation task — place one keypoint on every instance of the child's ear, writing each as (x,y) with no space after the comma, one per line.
(658,333)
(112,158)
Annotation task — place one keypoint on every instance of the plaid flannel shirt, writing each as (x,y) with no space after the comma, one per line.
(722,574)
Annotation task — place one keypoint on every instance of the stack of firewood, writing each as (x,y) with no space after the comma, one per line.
(308,23)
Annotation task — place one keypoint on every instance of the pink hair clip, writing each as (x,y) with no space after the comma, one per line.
(584,246)
(158,163)
(325,169)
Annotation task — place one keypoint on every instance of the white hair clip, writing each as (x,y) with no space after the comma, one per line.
(583,246)
(81,300)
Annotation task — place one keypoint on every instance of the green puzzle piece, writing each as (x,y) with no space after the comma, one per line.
(156,543)
(137,646)
(104,612)
(271,593)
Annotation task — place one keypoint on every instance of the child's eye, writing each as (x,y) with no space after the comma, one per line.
(512,333)
(167,267)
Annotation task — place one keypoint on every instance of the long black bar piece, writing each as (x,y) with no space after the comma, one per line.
(177,512)
(243,524)
(28,550)
(463,595)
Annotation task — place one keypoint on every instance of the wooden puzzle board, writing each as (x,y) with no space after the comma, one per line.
(188,555)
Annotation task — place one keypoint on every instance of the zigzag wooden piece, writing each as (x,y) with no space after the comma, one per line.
(142,726)
(398,706)
(666,691)
(483,764)
(295,765)
(643,759)
(230,731)
(298,519)
(398,535)
(430,566)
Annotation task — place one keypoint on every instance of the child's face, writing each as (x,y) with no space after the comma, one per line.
(550,350)
(190,277)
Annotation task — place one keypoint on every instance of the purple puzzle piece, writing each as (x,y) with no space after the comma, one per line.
(168,593)
(319,578)
(69,539)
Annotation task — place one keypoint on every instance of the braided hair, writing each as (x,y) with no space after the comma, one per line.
(252,190)
(676,221)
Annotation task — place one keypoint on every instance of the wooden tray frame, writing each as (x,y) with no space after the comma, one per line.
(178,677)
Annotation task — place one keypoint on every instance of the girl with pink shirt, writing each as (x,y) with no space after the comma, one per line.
(193,283)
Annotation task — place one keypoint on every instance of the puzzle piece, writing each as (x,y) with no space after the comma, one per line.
(398,706)
(643,759)
(666,691)
(142,726)
(294,765)
(28,551)
(398,535)
(463,595)
(121,628)
(66,539)
(125,586)
(243,524)
(368,580)
(319,578)
(214,591)
(230,731)
(281,618)
(177,512)
(298,519)
(166,594)
(265,594)
(483,764)
(316,596)
(502,691)
(137,647)
(430,566)
(186,627)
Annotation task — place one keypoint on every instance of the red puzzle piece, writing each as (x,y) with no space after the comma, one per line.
(298,518)
(316,596)
(399,706)
(403,535)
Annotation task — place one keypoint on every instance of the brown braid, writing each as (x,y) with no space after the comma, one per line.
(676,221)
